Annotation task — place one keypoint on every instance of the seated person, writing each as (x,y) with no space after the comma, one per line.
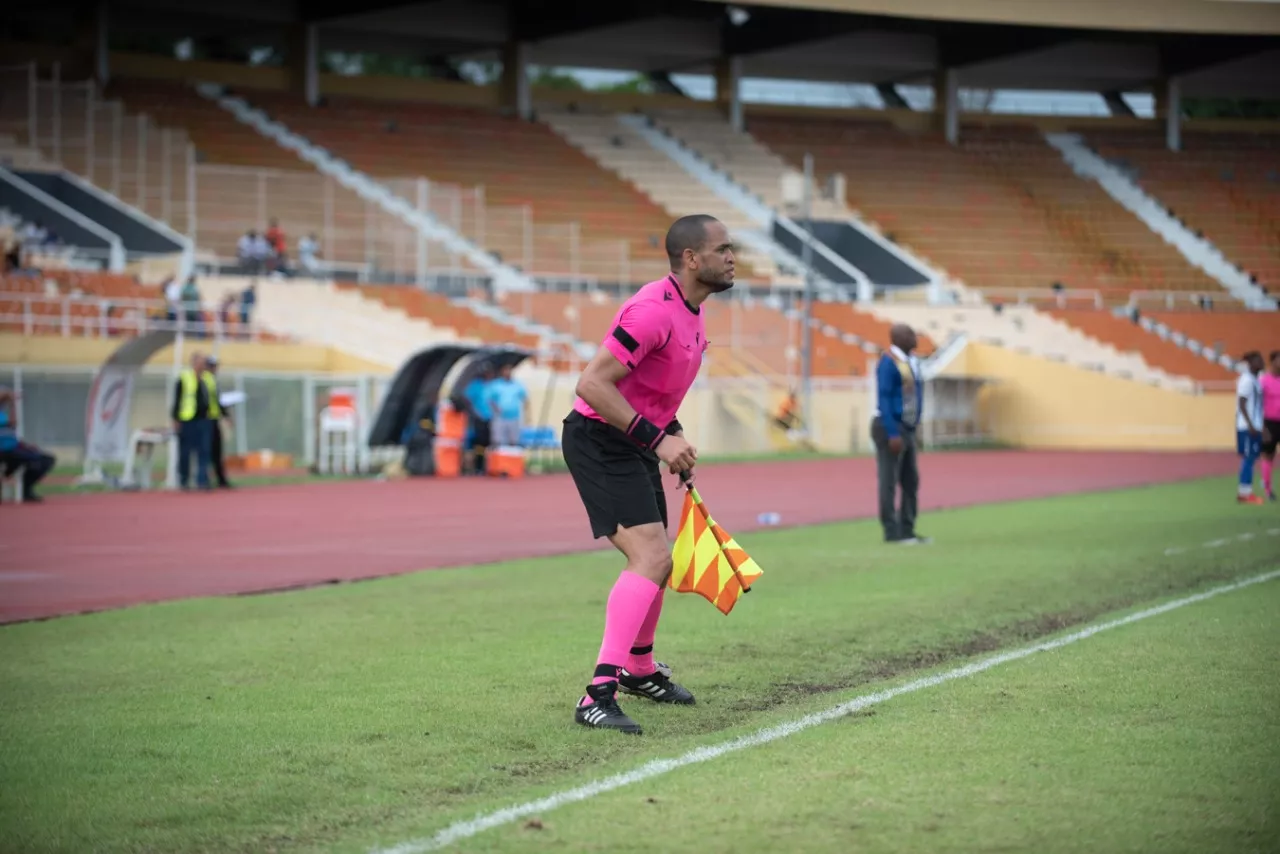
(787,416)
(15,453)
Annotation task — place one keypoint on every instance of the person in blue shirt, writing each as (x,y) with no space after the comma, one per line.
(15,453)
(477,396)
(509,402)
(899,405)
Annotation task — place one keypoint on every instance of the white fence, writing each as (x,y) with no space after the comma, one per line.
(280,412)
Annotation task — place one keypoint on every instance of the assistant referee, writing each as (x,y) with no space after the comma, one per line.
(622,426)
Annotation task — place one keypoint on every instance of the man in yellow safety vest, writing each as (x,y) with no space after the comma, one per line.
(195,401)
(217,413)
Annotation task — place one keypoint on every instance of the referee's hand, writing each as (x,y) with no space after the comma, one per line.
(678,454)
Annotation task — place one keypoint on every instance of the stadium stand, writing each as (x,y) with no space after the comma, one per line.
(757,334)
(243,180)
(1127,336)
(345,317)
(588,221)
(1001,212)
(437,310)
(618,148)
(1026,330)
(1225,185)
(1231,332)
(742,157)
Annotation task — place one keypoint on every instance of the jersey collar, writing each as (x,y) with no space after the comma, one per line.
(693,309)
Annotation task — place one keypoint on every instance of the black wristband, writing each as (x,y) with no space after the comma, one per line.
(674,427)
(645,433)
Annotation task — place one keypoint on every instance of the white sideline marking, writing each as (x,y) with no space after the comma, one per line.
(466,829)
(1216,544)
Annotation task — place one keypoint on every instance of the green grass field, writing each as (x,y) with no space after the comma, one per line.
(347,718)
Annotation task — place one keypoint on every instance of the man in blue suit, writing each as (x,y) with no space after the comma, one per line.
(899,405)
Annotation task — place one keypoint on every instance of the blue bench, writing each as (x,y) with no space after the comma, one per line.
(534,438)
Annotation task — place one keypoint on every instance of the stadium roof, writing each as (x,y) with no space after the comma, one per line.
(1215,47)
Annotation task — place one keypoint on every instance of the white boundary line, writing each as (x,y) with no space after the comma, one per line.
(473,827)
(1217,544)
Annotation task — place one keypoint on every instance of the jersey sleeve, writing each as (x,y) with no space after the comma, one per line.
(642,327)
(1244,386)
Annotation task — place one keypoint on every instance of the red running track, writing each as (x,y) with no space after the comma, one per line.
(82,553)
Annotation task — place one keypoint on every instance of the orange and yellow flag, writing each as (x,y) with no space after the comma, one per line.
(707,560)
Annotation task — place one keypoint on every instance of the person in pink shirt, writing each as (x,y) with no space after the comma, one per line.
(1270,382)
(624,424)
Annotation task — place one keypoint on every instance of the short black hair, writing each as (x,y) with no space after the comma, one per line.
(1275,354)
(1251,355)
(688,232)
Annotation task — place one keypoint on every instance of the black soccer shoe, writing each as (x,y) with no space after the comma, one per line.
(604,713)
(657,687)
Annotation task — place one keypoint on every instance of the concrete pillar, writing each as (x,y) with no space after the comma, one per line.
(1173,114)
(303,62)
(102,47)
(729,90)
(946,103)
(311,64)
(517,96)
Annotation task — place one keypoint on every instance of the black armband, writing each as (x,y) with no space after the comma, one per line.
(675,427)
(645,433)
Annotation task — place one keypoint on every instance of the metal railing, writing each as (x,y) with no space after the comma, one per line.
(157,170)
(111,317)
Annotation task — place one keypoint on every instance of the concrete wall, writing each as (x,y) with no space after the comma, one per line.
(235,355)
(1036,403)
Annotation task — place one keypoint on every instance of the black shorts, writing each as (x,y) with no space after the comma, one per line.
(1270,435)
(620,483)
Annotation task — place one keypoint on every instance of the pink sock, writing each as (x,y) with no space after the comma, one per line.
(1266,474)
(640,662)
(628,607)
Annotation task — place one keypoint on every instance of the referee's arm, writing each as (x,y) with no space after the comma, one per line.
(598,386)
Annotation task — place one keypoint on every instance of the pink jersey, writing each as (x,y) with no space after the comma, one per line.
(1270,396)
(661,338)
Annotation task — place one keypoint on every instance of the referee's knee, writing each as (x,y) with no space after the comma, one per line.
(655,566)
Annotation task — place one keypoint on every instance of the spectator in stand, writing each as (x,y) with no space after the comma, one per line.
(227,314)
(477,395)
(309,253)
(279,258)
(191,312)
(245,252)
(253,252)
(248,299)
(509,403)
(172,298)
(13,257)
(217,415)
(34,235)
(15,453)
